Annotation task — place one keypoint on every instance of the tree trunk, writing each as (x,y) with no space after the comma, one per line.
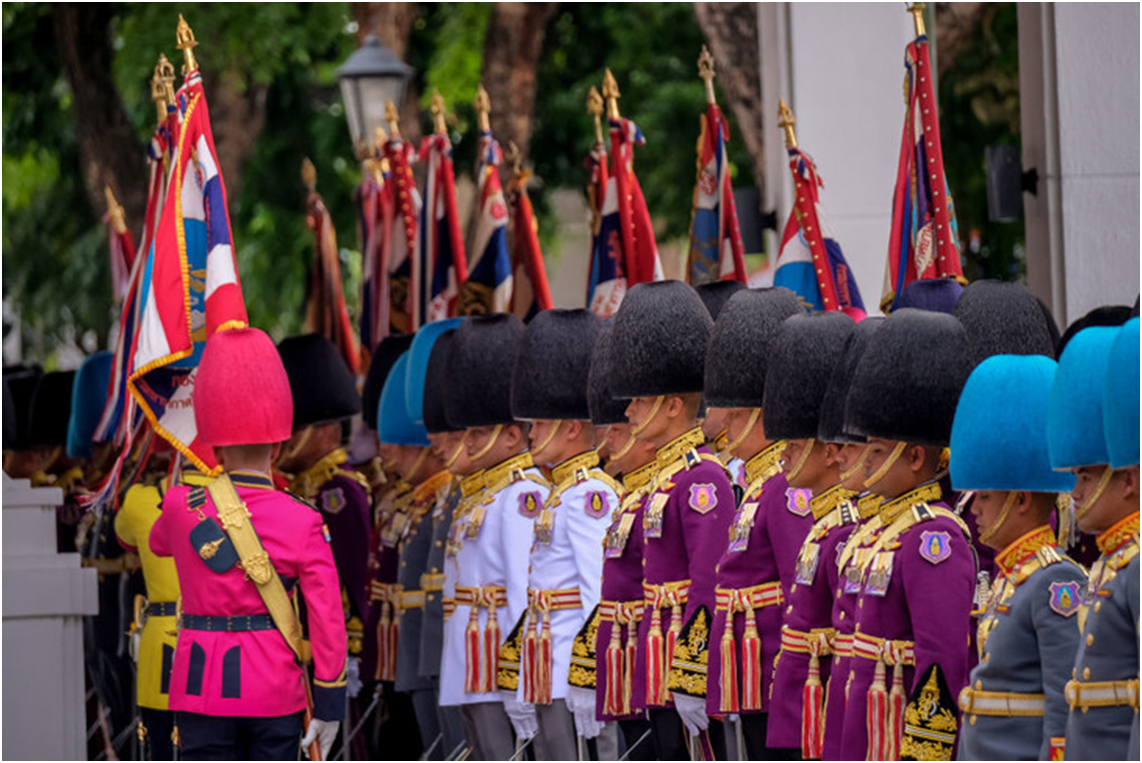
(110,152)
(512,49)
(237,117)
(392,23)
(731,31)
(956,25)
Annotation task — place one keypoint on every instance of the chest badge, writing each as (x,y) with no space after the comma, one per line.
(333,501)
(935,546)
(797,500)
(530,503)
(597,504)
(1065,597)
(703,498)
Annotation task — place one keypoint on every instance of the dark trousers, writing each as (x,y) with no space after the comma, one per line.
(208,737)
(670,740)
(754,731)
(633,731)
(159,725)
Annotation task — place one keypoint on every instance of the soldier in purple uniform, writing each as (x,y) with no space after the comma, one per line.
(913,618)
(756,567)
(658,353)
(806,350)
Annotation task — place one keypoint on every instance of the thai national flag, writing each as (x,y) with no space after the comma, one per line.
(189,287)
(489,285)
(530,292)
(924,242)
(606,281)
(810,262)
(439,269)
(716,251)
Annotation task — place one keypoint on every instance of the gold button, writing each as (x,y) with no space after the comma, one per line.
(1086,674)
(1098,606)
(431,597)
(842,617)
(860,603)
(792,588)
(979,685)
(789,609)
(972,720)
(434,570)
(1074,672)
(439,543)
(1090,639)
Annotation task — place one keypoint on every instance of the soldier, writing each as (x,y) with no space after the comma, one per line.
(549,389)
(236,682)
(850,460)
(918,575)
(1103,690)
(498,510)
(439,581)
(608,662)
(806,350)
(1014,707)
(416,465)
(658,354)
(756,567)
(715,295)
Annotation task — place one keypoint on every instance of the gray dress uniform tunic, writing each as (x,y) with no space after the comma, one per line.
(432,627)
(1103,691)
(1014,704)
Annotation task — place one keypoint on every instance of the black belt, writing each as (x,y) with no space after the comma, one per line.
(229,624)
(162,609)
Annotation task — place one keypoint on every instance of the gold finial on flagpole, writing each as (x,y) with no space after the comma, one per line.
(706,73)
(159,96)
(917,11)
(439,126)
(595,109)
(392,117)
(483,109)
(786,121)
(115,212)
(514,157)
(612,94)
(309,175)
(186,42)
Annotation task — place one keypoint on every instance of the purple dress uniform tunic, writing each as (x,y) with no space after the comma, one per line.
(685,519)
(763,549)
(622,582)
(917,592)
(384,566)
(809,612)
(346,507)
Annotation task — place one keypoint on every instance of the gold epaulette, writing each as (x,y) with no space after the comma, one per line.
(688,461)
(357,477)
(1123,556)
(510,472)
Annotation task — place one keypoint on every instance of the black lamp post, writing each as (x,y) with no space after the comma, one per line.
(370,78)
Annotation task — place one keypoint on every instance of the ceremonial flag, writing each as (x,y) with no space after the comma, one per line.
(325,310)
(924,242)
(120,244)
(374,205)
(489,285)
(395,210)
(606,282)
(810,262)
(189,287)
(716,251)
(530,293)
(639,249)
(440,269)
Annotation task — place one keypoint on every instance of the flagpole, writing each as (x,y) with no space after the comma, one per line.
(786,121)
(917,11)
(483,109)
(595,109)
(186,42)
(611,94)
(439,126)
(115,211)
(706,73)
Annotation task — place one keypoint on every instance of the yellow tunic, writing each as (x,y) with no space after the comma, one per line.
(140,510)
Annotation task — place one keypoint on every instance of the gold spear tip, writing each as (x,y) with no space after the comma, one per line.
(785,120)
(706,72)
(186,42)
(162,84)
(917,11)
(594,102)
(483,108)
(392,116)
(611,93)
(439,126)
(379,137)
(115,211)
(309,175)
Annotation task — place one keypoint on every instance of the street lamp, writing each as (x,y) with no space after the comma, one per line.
(370,78)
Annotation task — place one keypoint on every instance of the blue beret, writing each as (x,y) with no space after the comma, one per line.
(999,436)
(422,343)
(88,396)
(1120,411)
(1075,431)
(394,426)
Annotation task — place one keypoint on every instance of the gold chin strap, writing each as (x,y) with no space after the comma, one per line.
(1099,489)
(456,453)
(491,443)
(893,457)
(749,425)
(625,448)
(550,436)
(989,533)
(852,472)
(654,409)
(417,463)
(791,474)
(301,443)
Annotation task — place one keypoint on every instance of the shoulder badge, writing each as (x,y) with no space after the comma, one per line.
(797,500)
(333,501)
(703,497)
(530,503)
(935,546)
(325,533)
(597,504)
(1065,597)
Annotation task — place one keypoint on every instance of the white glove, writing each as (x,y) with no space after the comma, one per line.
(322,731)
(522,716)
(581,703)
(692,710)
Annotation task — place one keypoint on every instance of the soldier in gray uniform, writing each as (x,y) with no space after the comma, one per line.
(1013,705)
(1103,690)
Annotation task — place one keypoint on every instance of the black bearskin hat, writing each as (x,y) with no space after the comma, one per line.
(477,384)
(323,387)
(550,376)
(804,354)
(743,337)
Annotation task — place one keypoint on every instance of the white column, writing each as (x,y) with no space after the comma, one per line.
(840,67)
(46,596)
(1078,79)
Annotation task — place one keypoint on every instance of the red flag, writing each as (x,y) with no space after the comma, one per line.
(639,249)
(325,310)
(374,206)
(716,250)
(530,292)
(398,234)
(439,267)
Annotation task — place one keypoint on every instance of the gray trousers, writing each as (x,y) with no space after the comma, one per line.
(607,742)
(488,730)
(424,704)
(556,739)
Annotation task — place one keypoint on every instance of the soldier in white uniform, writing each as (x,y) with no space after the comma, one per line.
(549,388)
(493,524)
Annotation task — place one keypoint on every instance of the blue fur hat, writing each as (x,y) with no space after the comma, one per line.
(88,395)
(394,425)
(1120,409)
(936,295)
(418,354)
(1075,431)
(999,435)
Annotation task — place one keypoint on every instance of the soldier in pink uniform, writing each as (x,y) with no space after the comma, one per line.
(236,685)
